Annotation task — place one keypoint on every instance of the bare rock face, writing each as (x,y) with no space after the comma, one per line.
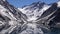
(37,18)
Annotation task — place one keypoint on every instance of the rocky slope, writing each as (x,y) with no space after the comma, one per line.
(10,18)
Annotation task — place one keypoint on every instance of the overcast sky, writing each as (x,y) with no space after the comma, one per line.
(20,3)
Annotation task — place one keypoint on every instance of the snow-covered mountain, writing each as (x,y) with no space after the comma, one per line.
(40,12)
(43,14)
(36,18)
(35,10)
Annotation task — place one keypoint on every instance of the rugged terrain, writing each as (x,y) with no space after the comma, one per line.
(37,18)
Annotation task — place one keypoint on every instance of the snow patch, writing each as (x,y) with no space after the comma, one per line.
(4,0)
(58,4)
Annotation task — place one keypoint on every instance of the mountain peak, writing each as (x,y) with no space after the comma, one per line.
(39,2)
(34,10)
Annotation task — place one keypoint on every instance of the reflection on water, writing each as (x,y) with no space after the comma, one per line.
(54,31)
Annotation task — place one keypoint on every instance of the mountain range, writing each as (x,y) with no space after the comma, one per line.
(30,19)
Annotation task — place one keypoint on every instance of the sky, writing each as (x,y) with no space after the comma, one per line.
(20,3)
